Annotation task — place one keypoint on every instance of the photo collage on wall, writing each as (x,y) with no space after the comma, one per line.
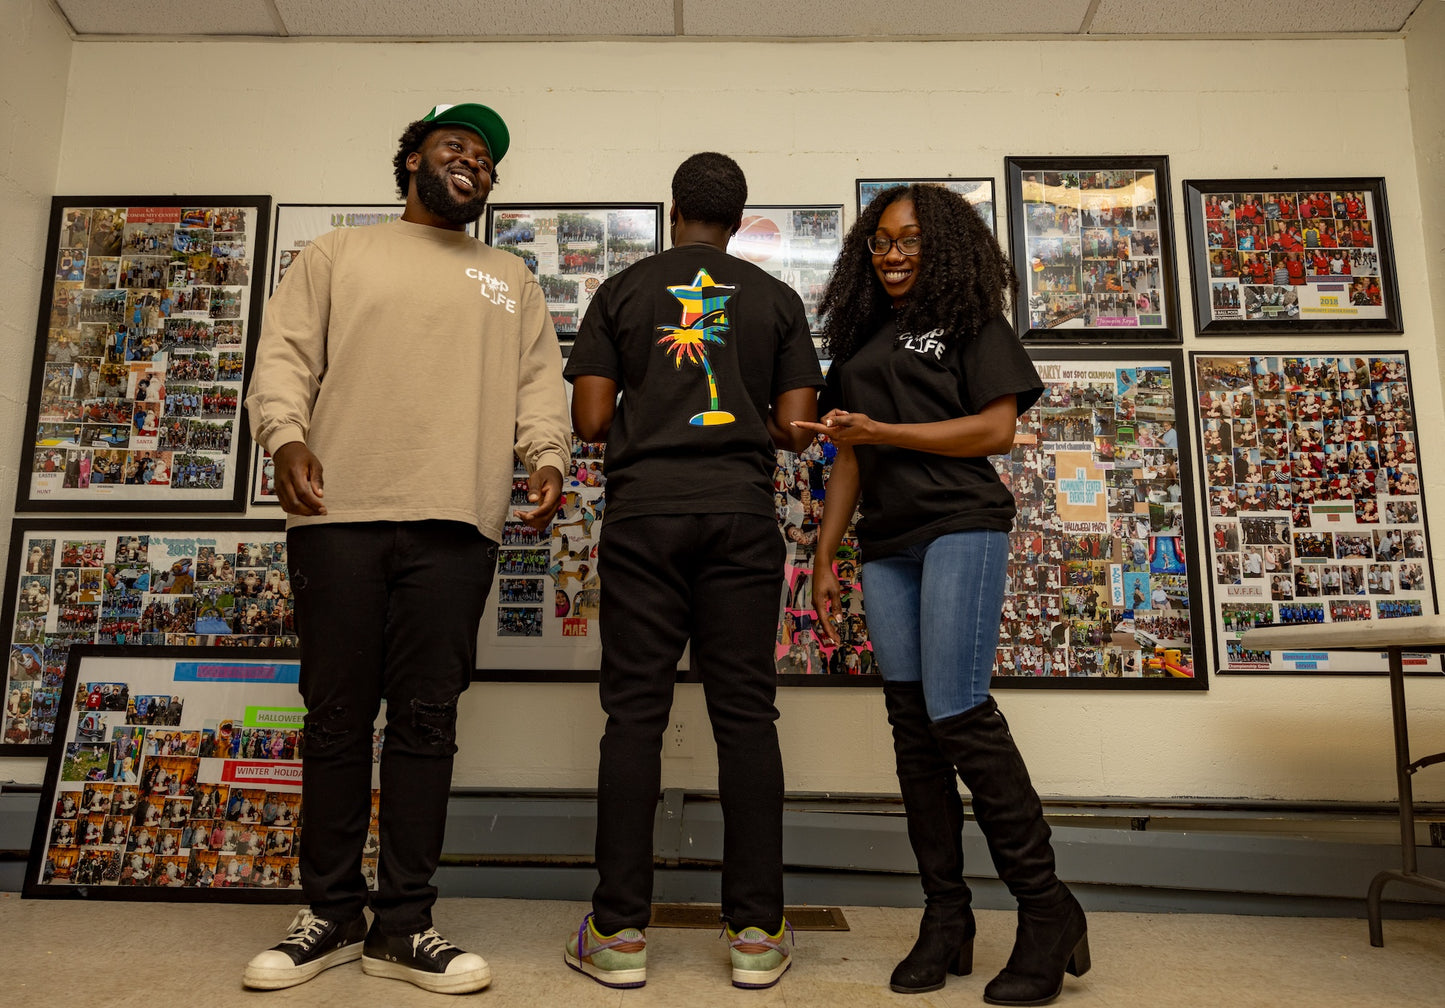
(1100,585)
(546,584)
(143,586)
(796,244)
(547,592)
(187,780)
(573,249)
(144,353)
(1316,513)
(1093,250)
(798,493)
(1293,255)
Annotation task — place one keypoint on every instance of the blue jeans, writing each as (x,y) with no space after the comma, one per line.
(933,616)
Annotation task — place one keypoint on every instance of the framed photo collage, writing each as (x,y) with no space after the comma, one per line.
(176,776)
(148,316)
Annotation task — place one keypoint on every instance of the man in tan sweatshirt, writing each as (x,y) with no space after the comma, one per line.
(409,362)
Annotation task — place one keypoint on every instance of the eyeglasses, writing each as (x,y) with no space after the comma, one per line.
(909,245)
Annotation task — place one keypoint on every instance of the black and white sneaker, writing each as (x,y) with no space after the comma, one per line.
(425,959)
(313,944)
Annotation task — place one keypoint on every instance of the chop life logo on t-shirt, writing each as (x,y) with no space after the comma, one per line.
(493,289)
(929,343)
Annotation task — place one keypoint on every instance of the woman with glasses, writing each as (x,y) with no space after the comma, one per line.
(927,381)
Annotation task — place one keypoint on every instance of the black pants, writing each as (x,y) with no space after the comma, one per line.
(385,610)
(716,579)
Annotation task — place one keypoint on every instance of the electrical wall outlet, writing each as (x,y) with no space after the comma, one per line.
(676,743)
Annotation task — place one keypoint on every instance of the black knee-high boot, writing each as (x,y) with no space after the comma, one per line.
(929,786)
(1052,936)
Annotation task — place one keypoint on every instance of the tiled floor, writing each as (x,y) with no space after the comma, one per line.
(114,954)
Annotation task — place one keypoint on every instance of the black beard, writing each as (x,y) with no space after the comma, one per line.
(432,189)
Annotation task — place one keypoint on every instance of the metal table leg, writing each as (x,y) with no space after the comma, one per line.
(1403,771)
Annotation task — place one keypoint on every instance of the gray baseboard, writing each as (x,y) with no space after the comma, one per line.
(1242,858)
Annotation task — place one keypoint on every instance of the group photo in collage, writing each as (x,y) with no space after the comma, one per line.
(1093,249)
(1315,507)
(143,587)
(572,248)
(1099,575)
(179,778)
(144,352)
(1293,255)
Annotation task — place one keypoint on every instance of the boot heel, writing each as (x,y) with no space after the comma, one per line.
(1079,959)
(963,964)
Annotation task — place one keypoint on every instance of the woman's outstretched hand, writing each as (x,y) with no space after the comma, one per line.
(844,428)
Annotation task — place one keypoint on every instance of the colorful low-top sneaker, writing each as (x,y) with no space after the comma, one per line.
(618,960)
(425,959)
(760,959)
(312,945)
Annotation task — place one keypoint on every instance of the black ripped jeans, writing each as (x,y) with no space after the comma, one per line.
(386,611)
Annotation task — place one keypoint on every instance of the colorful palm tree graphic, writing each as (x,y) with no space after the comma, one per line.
(704,320)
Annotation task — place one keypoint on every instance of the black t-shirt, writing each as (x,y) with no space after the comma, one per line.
(700,343)
(911,496)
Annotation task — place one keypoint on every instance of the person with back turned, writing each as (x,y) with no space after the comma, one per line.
(714,360)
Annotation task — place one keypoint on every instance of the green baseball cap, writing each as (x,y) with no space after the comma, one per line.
(477,118)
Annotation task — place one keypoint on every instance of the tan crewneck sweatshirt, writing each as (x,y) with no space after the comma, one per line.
(414,362)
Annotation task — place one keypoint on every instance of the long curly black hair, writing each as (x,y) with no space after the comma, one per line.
(412,139)
(964,278)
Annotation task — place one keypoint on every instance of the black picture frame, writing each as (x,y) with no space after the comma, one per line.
(1147,542)
(1315,510)
(570,264)
(132,821)
(979,191)
(1327,239)
(126,579)
(145,334)
(1136,509)
(1092,242)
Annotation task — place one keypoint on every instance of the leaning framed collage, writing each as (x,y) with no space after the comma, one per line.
(176,775)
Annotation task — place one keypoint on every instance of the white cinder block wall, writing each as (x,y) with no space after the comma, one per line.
(610,121)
